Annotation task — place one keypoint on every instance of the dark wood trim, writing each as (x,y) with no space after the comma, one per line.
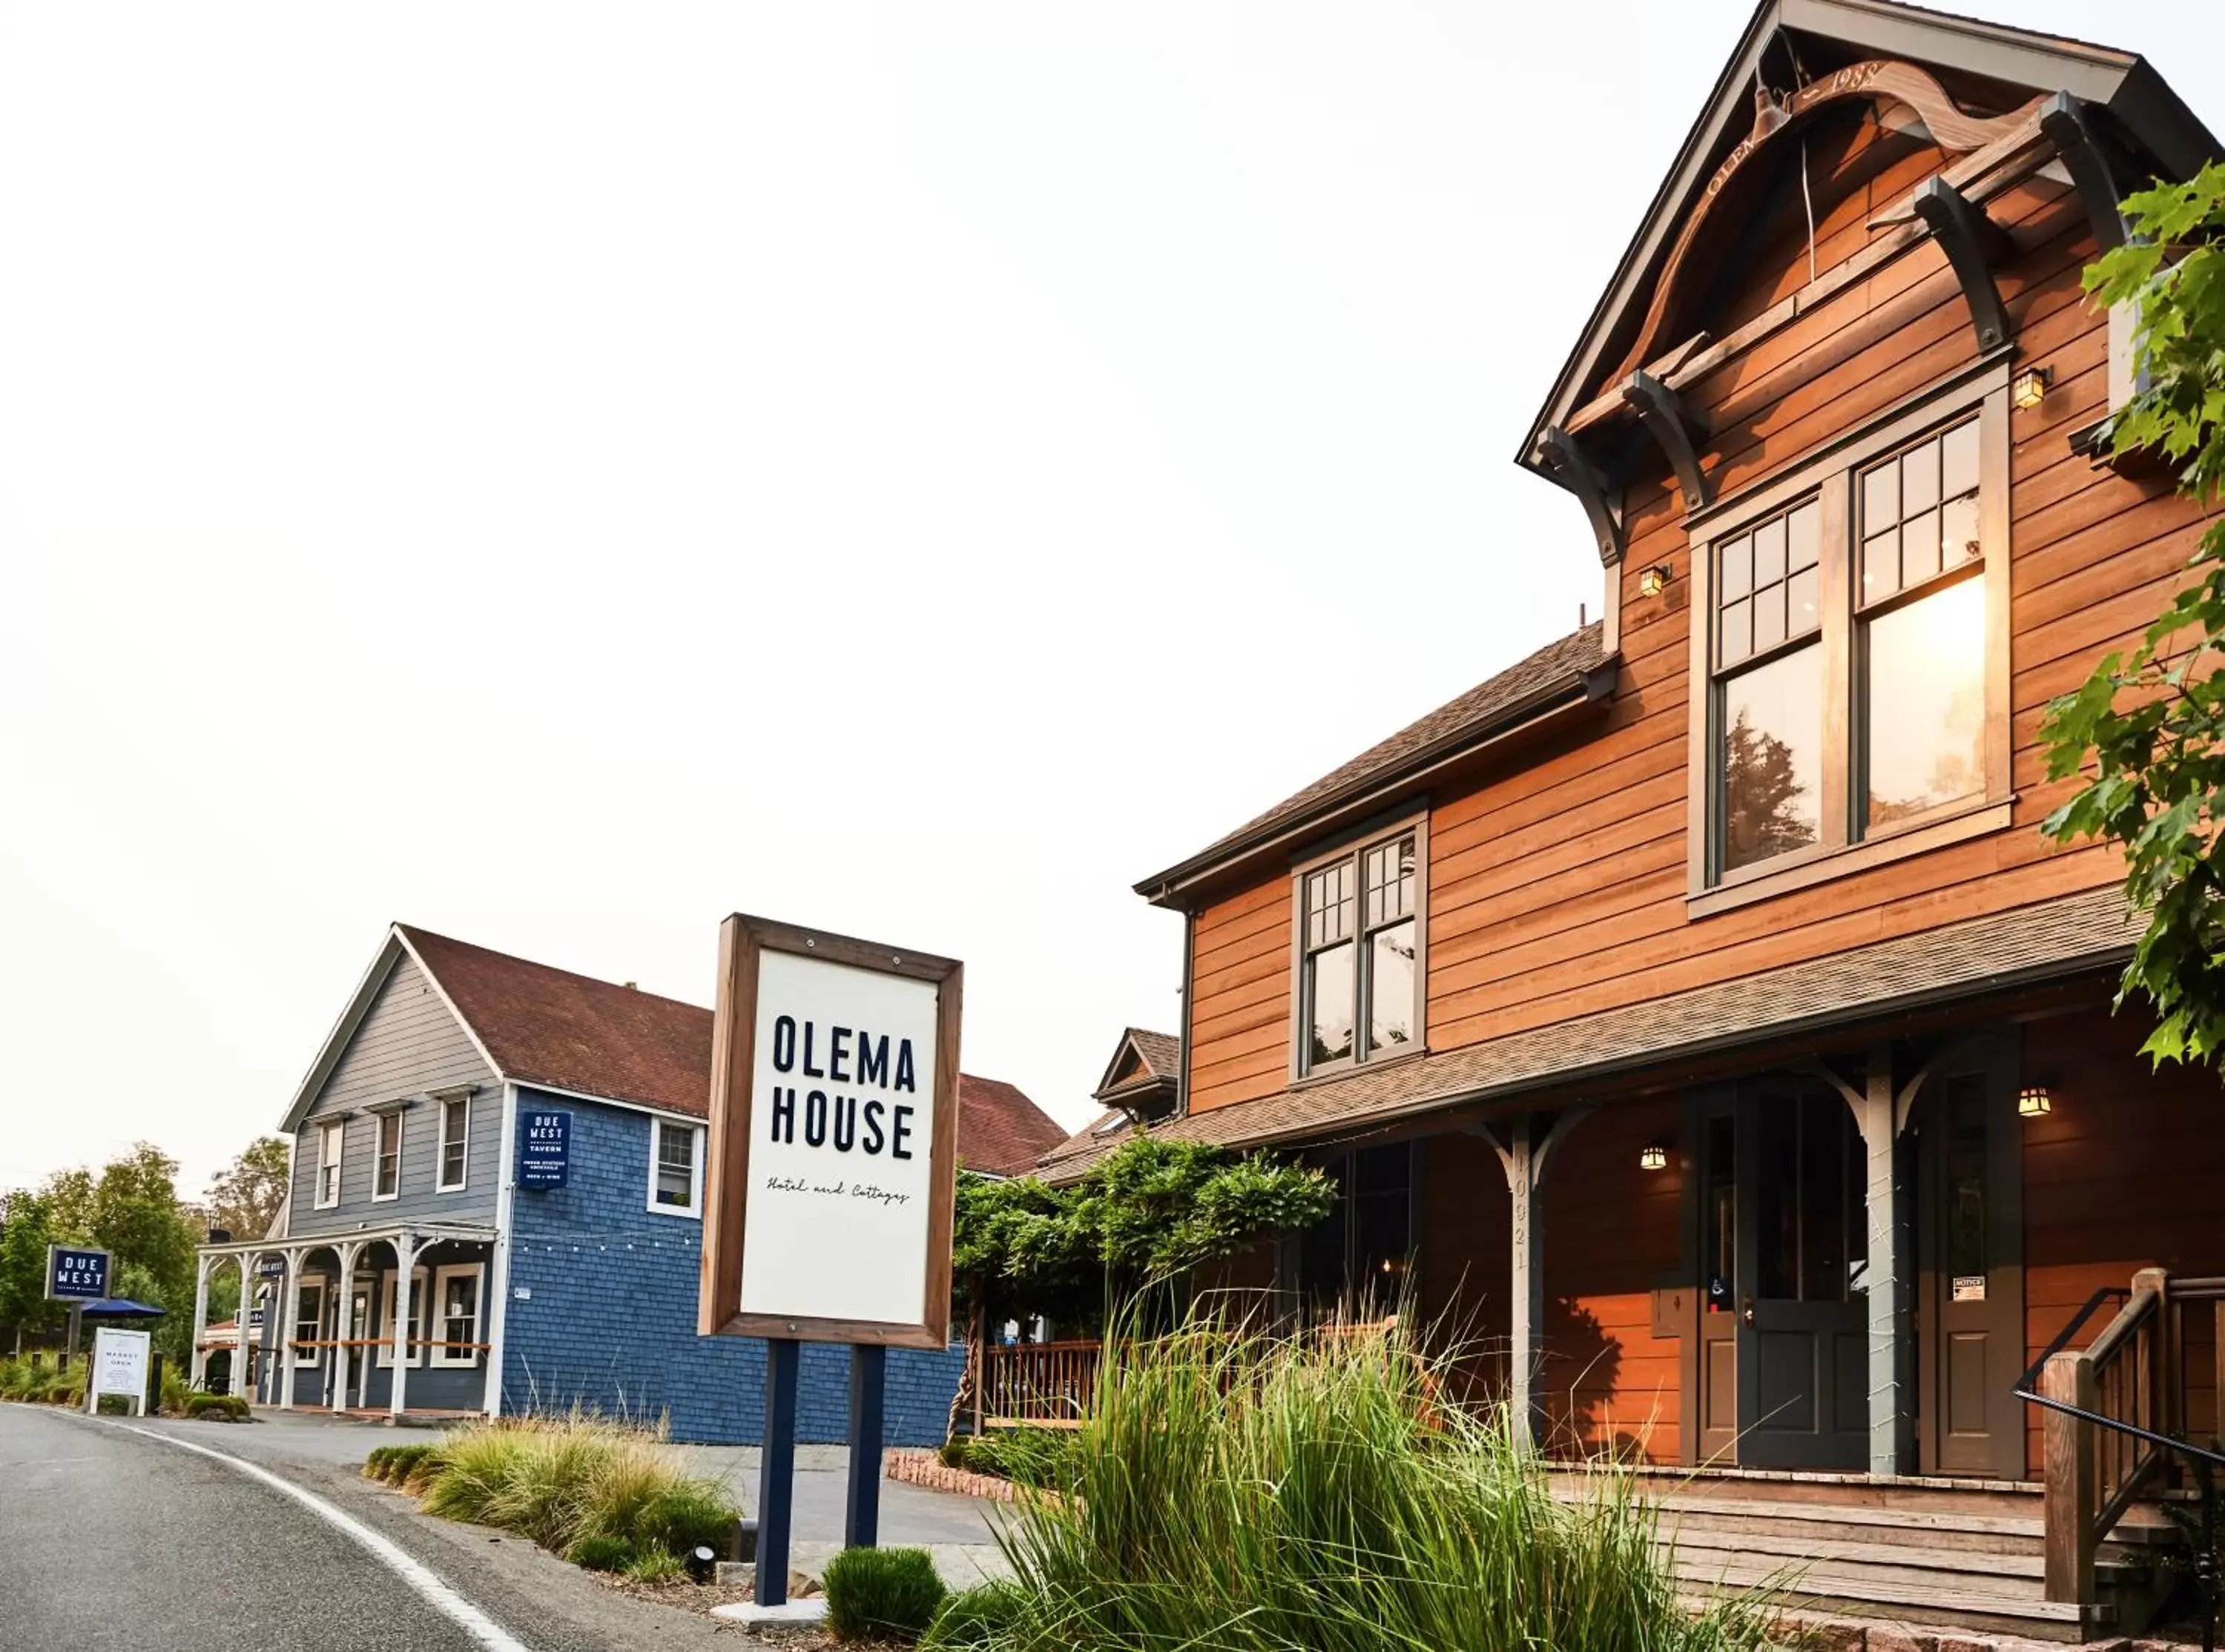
(1663,416)
(1352,845)
(1806,868)
(1568,465)
(742,941)
(2062,118)
(1975,246)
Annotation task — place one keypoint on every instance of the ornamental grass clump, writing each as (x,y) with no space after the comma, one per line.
(1239,1492)
(882,1593)
(579,1485)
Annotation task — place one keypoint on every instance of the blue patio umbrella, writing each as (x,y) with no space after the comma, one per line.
(119,1308)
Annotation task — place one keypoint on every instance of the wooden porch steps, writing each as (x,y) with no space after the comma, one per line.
(1959,1556)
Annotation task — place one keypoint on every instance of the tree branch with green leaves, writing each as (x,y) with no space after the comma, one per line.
(2152,724)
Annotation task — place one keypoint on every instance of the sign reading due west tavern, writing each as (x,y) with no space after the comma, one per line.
(76,1273)
(834,1139)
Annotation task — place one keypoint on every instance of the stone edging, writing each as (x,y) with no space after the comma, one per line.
(925,1469)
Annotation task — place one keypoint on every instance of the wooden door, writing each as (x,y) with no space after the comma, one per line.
(1802,1358)
(1970,1246)
(1716,1324)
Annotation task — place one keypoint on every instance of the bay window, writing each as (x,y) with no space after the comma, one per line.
(1852,669)
(1358,953)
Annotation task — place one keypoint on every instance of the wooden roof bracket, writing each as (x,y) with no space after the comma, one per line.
(1973,244)
(1574,471)
(2087,161)
(1670,424)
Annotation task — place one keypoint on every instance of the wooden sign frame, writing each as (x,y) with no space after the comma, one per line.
(743,940)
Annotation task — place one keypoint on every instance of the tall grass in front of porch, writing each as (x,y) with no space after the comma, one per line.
(1244,1492)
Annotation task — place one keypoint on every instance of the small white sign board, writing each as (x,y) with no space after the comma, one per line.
(119,1366)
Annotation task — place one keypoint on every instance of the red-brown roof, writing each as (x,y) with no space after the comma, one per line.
(1000,1131)
(547,1025)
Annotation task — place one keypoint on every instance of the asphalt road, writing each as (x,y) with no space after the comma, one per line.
(111,1540)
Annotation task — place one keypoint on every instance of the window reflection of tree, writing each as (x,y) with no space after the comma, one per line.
(1762,811)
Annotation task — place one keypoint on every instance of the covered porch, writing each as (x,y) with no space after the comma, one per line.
(391,1320)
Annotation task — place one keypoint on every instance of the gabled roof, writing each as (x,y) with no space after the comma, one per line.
(1142,1061)
(1565,672)
(547,1027)
(1824,35)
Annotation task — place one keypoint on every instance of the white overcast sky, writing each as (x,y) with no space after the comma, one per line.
(558,474)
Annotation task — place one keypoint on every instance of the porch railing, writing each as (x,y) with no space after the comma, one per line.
(1039,1384)
(2116,1426)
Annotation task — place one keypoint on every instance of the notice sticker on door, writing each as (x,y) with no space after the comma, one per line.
(1970,1287)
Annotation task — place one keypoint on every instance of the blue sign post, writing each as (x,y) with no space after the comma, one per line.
(544,1148)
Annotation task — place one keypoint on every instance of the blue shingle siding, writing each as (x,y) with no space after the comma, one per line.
(611,1319)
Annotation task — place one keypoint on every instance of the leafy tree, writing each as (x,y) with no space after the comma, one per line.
(30,1229)
(130,1208)
(245,1196)
(2154,724)
(1761,795)
(1144,1215)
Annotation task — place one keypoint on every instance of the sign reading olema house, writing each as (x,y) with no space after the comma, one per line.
(834,1139)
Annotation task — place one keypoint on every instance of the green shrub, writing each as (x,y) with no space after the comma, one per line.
(175,1391)
(600,1553)
(402,1462)
(374,1466)
(223,1408)
(953,1451)
(115,1405)
(1254,1494)
(688,1515)
(656,1565)
(882,1592)
(979,1616)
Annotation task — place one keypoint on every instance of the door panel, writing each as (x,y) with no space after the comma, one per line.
(1716,1367)
(1802,1230)
(1970,1242)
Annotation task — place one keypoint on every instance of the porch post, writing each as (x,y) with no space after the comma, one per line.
(1878,1114)
(291,1307)
(245,1345)
(1523,1158)
(343,1324)
(197,1367)
(405,1258)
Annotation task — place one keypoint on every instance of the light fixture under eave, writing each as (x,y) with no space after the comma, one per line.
(2034,1101)
(1653,1158)
(1652,581)
(2029,388)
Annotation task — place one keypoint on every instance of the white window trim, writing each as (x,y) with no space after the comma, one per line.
(421,1301)
(442,1143)
(657,1126)
(442,1354)
(378,1156)
(304,1359)
(329,1130)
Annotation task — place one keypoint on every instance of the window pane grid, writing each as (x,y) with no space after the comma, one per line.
(1767,583)
(1920,512)
(1359,975)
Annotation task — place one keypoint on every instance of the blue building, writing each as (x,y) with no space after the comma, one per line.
(497,1205)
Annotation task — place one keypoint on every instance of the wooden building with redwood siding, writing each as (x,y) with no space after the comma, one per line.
(1693,1012)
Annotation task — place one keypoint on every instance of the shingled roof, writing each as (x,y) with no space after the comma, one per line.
(544,1026)
(1557,671)
(2048,941)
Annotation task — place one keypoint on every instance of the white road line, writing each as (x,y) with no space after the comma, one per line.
(397,1560)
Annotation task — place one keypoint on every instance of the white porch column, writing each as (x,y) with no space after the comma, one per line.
(405,1258)
(197,1366)
(243,1343)
(344,1322)
(290,1306)
(1523,1154)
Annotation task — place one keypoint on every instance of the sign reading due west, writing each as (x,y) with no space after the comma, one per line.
(834,1139)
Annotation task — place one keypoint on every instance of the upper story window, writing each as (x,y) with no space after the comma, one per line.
(1854,669)
(455,1142)
(386,1169)
(675,1181)
(329,1138)
(1359,916)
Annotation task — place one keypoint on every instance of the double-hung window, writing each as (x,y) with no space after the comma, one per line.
(309,1320)
(675,1180)
(1852,660)
(330,1137)
(456,1143)
(421,1317)
(456,1309)
(1358,953)
(386,1166)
